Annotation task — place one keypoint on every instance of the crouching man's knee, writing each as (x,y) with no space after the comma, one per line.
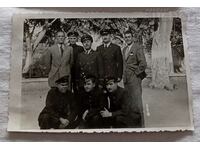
(44,121)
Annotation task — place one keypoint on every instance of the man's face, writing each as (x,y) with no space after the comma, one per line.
(63,87)
(106,38)
(129,38)
(60,37)
(89,85)
(111,86)
(87,44)
(73,40)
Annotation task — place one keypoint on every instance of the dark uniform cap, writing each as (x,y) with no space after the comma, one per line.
(73,33)
(86,37)
(105,32)
(109,79)
(64,79)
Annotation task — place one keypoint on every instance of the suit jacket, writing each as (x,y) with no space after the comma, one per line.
(59,65)
(89,64)
(112,60)
(135,63)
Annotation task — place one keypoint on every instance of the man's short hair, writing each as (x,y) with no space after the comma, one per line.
(73,33)
(60,31)
(128,32)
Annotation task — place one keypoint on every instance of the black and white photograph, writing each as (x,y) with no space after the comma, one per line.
(96,72)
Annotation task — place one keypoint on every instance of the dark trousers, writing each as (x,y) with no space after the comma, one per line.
(134,88)
(47,121)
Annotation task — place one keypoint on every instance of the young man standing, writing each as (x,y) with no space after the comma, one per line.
(61,107)
(111,56)
(134,70)
(73,39)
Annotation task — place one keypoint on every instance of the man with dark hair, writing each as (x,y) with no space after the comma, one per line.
(61,107)
(59,59)
(111,56)
(77,49)
(119,112)
(92,102)
(88,62)
(134,70)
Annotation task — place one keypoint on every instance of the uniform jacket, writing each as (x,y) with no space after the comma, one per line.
(135,63)
(59,65)
(60,105)
(76,51)
(92,101)
(112,60)
(89,64)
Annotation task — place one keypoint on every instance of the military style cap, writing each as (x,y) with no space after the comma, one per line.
(89,77)
(109,79)
(73,33)
(86,37)
(105,32)
(64,79)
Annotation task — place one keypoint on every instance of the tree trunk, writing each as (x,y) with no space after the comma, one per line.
(161,55)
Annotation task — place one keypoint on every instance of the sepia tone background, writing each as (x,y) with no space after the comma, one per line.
(4,90)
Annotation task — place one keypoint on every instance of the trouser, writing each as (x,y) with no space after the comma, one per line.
(46,121)
(134,89)
(93,122)
(114,122)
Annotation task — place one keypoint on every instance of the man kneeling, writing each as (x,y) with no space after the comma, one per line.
(92,100)
(120,111)
(60,110)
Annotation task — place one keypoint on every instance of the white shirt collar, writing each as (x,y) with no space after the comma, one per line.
(107,45)
(88,51)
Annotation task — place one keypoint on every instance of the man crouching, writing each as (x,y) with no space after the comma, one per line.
(92,102)
(60,110)
(120,112)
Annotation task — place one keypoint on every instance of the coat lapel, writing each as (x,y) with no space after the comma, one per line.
(131,51)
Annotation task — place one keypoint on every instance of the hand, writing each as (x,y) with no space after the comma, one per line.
(118,79)
(64,122)
(105,113)
(85,114)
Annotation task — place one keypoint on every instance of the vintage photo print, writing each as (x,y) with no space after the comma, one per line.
(99,72)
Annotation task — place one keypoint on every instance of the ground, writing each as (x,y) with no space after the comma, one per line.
(162,108)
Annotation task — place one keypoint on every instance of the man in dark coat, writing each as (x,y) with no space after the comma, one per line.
(88,62)
(73,39)
(111,56)
(61,108)
(134,70)
(92,102)
(119,112)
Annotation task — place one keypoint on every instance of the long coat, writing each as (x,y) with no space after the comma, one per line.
(60,65)
(112,60)
(134,64)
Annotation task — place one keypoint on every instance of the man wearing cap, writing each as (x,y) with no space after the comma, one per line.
(119,112)
(73,39)
(61,107)
(59,59)
(111,56)
(134,70)
(92,101)
(88,62)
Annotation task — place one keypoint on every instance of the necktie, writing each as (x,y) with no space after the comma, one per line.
(61,49)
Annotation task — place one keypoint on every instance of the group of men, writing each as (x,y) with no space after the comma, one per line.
(84,83)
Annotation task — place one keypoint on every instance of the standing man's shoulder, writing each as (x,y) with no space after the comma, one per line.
(115,46)
(99,47)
